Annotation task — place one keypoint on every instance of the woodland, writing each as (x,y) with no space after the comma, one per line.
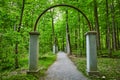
(18,17)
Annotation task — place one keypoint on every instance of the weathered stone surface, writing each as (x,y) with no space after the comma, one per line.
(33,51)
(91,51)
(55,48)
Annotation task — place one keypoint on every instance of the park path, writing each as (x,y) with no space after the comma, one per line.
(63,69)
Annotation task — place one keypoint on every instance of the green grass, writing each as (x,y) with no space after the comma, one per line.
(20,74)
(21,77)
(45,61)
(107,67)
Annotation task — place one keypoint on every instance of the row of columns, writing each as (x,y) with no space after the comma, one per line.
(91,52)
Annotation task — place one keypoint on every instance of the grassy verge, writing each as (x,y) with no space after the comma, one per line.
(45,61)
(20,74)
(109,68)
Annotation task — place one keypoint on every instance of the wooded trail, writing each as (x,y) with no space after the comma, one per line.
(63,69)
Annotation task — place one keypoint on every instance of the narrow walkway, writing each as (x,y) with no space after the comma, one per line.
(63,69)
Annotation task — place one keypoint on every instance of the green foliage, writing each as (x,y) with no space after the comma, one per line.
(21,77)
(19,74)
(116,54)
(45,61)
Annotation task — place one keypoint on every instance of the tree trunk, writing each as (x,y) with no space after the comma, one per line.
(16,45)
(78,40)
(108,40)
(63,43)
(75,34)
(51,44)
(68,46)
(53,32)
(21,16)
(113,26)
(118,27)
(78,36)
(117,35)
(118,38)
(96,24)
(83,36)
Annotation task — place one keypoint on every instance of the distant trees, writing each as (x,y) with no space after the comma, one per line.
(59,27)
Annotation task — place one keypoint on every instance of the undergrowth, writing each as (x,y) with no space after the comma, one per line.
(20,74)
(109,68)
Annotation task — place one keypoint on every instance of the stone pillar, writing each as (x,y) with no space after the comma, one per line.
(54,49)
(91,51)
(33,52)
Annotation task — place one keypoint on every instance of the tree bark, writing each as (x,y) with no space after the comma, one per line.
(76,35)
(118,27)
(83,36)
(78,39)
(119,38)
(108,40)
(113,26)
(97,24)
(68,46)
(117,35)
(21,16)
(63,43)
(16,45)
(53,32)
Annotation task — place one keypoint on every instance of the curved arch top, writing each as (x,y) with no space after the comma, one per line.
(61,5)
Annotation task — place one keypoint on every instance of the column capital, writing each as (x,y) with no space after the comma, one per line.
(91,32)
(34,33)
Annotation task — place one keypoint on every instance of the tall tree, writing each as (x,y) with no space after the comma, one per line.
(19,26)
(96,23)
(108,40)
(78,36)
(53,32)
(68,46)
(114,46)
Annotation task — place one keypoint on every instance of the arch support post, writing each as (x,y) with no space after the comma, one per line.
(33,52)
(91,52)
(55,48)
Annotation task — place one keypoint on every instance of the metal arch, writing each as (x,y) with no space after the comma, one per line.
(61,5)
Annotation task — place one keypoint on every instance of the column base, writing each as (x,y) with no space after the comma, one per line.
(33,72)
(93,73)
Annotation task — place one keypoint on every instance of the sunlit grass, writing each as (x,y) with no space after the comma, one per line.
(45,61)
(108,68)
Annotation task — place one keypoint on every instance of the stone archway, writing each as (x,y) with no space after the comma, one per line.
(90,44)
(62,5)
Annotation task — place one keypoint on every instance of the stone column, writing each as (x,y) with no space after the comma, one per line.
(91,51)
(33,52)
(54,49)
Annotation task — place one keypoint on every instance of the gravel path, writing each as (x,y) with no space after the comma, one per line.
(63,69)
